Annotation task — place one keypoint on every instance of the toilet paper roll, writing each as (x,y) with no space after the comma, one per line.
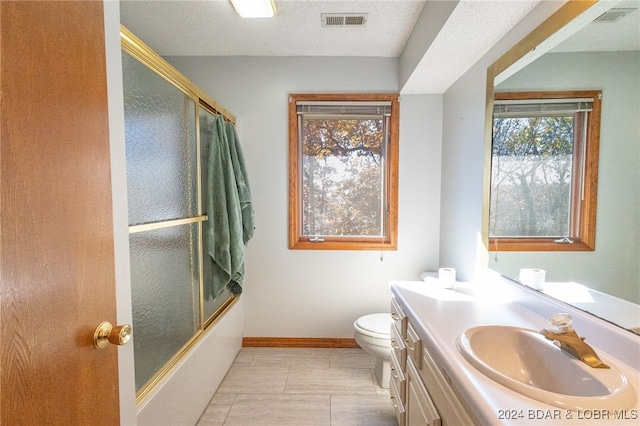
(447,277)
(533,278)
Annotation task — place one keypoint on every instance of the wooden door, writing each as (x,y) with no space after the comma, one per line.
(57,256)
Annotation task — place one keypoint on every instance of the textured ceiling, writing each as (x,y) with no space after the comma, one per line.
(212,28)
(623,34)
(471,30)
(584,34)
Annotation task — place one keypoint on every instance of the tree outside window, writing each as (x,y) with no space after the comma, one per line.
(544,170)
(343,171)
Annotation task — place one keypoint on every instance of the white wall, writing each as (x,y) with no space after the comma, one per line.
(304,293)
(613,267)
(463,154)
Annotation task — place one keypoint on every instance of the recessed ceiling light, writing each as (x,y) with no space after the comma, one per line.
(254,8)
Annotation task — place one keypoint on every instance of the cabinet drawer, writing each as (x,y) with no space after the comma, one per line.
(398,348)
(399,318)
(398,403)
(414,346)
(397,375)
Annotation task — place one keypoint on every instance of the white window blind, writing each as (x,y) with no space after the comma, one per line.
(540,107)
(329,108)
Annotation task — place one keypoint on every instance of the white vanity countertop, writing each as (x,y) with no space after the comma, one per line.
(441,315)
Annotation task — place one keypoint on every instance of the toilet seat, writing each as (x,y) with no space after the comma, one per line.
(374,325)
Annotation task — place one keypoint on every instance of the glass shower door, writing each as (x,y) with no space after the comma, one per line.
(167,136)
(164,217)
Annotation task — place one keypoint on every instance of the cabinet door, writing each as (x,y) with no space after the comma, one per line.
(450,404)
(420,410)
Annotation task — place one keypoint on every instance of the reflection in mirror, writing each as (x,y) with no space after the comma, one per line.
(602,54)
(544,170)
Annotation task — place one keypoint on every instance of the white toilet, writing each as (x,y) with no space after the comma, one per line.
(372,334)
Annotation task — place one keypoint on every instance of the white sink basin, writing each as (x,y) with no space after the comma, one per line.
(524,361)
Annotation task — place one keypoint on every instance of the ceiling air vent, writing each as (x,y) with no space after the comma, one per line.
(344,19)
(614,15)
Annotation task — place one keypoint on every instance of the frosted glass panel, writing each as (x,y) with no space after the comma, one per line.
(160,131)
(165,290)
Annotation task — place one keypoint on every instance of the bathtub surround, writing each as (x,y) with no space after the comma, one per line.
(179,157)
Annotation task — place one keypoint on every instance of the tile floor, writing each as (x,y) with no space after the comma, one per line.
(301,387)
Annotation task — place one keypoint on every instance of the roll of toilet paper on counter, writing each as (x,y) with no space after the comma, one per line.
(447,277)
(533,278)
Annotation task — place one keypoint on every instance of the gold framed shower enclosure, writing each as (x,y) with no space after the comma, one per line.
(140,58)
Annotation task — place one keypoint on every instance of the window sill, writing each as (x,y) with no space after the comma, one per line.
(336,244)
(537,244)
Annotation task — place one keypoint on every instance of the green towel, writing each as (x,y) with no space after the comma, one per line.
(229,208)
(242,181)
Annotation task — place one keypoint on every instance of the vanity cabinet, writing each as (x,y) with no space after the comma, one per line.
(421,391)
(397,385)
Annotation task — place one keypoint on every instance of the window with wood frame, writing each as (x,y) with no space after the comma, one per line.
(544,171)
(343,171)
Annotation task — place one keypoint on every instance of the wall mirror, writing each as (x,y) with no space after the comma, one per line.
(586,45)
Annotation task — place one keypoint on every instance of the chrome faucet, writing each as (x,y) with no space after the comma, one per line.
(570,342)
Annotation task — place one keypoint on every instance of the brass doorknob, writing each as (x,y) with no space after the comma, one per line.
(106,333)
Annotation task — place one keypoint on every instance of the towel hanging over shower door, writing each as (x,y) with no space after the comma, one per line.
(230,212)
